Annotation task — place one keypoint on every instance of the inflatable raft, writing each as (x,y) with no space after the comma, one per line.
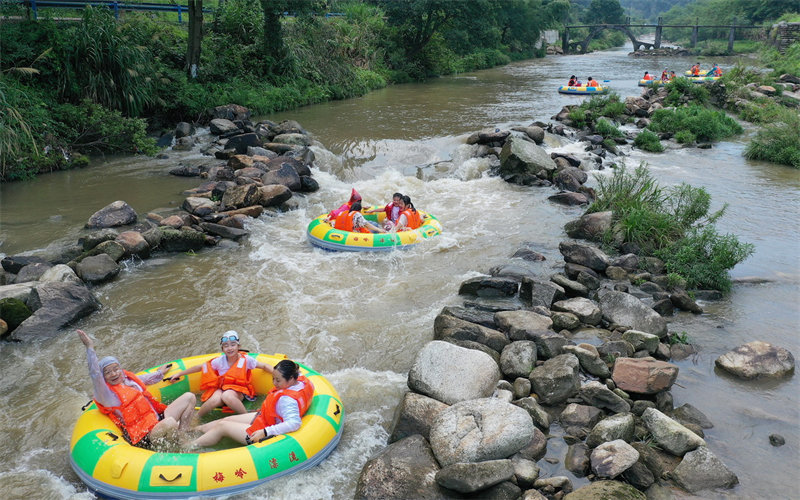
(582,90)
(704,79)
(323,235)
(650,83)
(702,72)
(113,468)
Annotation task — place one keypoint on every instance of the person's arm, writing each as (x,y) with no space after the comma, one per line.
(289,411)
(181,373)
(402,222)
(102,393)
(264,367)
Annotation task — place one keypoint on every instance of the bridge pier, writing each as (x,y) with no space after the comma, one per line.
(657,43)
(694,32)
(731,35)
(565,41)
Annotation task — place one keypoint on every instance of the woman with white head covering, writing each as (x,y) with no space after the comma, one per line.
(124,397)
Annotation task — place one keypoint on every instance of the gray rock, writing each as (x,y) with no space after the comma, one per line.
(521,388)
(450,374)
(97,269)
(589,280)
(470,477)
(619,426)
(669,434)
(526,471)
(585,255)
(285,175)
(18,291)
(586,310)
(182,240)
(134,244)
(701,470)
(32,272)
(478,430)
(616,273)
(473,315)
(221,126)
(522,325)
(55,306)
(14,263)
(536,292)
(565,321)
(590,226)
(577,415)
(230,233)
(199,206)
(624,309)
(690,414)
(680,299)
(518,359)
(569,198)
(539,415)
(600,396)
(641,340)
(503,491)
(447,327)
(639,476)
(94,238)
(414,416)
(590,361)
(577,459)
(572,288)
(611,459)
(242,196)
(606,490)
(115,214)
(757,359)
(554,483)
(402,470)
(522,157)
(489,287)
(659,492)
(557,379)
(60,273)
(536,449)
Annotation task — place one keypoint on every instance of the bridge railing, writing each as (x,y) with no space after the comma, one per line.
(116,7)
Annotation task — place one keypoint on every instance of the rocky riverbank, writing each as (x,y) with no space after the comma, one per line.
(583,356)
(253,168)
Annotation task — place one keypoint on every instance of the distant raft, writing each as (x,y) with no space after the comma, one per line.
(652,83)
(702,72)
(582,90)
(704,79)
(323,235)
(111,467)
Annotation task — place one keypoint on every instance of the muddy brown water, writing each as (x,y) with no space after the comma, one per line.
(359,318)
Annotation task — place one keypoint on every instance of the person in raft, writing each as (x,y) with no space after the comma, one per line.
(573,81)
(715,71)
(392,211)
(672,75)
(665,75)
(125,399)
(695,70)
(354,222)
(409,218)
(281,412)
(592,82)
(647,76)
(344,207)
(226,379)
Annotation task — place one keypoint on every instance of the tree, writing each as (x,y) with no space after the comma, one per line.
(605,12)
(275,55)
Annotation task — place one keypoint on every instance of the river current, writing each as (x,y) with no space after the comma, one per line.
(360,319)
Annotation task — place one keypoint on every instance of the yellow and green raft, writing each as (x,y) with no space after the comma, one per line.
(323,235)
(111,467)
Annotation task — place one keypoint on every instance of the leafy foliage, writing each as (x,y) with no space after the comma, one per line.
(606,129)
(778,142)
(704,123)
(648,141)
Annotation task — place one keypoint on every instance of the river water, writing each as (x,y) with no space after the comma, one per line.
(360,319)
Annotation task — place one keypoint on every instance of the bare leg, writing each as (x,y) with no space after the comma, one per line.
(234,400)
(163,427)
(181,410)
(243,418)
(222,428)
(209,404)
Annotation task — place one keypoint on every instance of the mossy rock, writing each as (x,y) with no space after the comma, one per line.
(13,312)
(183,240)
(606,490)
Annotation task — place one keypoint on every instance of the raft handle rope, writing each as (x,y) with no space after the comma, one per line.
(161,476)
(83,408)
(113,436)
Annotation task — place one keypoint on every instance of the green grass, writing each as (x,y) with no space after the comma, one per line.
(648,141)
(705,124)
(607,129)
(778,142)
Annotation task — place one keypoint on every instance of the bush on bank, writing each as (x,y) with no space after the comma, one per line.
(705,124)
(673,223)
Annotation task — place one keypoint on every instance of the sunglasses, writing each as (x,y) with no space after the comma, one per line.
(232,338)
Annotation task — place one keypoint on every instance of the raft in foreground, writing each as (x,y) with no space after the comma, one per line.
(323,235)
(111,467)
(582,90)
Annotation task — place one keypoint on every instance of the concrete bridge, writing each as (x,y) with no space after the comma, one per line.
(581,46)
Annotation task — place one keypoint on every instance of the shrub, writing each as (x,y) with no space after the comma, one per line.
(648,141)
(685,137)
(704,123)
(682,87)
(578,117)
(613,109)
(607,130)
(777,142)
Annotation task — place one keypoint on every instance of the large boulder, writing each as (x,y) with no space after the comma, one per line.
(402,470)
(613,458)
(757,359)
(478,430)
(97,269)
(222,126)
(619,426)
(55,305)
(470,477)
(600,396)
(522,325)
(590,226)
(586,310)
(13,311)
(181,240)
(18,291)
(14,263)
(134,243)
(197,205)
(60,273)
(518,359)
(285,174)
(702,470)
(644,375)
(625,309)
(669,434)
(116,214)
(585,255)
(557,379)
(32,272)
(414,416)
(485,286)
(240,196)
(523,158)
(589,359)
(274,195)
(449,373)
(446,327)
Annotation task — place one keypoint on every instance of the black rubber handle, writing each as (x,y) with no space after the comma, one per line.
(170,480)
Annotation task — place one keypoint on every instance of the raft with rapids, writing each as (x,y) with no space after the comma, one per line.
(323,235)
(582,90)
(112,467)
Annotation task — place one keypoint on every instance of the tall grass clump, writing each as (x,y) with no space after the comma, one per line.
(648,141)
(681,90)
(706,124)
(778,142)
(17,137)
(673,223)
(607,129)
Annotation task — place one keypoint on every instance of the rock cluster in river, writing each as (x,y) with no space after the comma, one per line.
(258,167)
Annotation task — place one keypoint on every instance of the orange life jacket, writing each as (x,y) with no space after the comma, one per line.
(695,70)
(646,77)
(139,410)
(268,414)
(344,222)
(413,219)
(238,378)
(593,83)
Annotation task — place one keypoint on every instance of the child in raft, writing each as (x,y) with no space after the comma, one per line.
(344,207)
(392,211)
(281,412)
(647,76)
(573,81)
(226,379)
(592,82)
(354,222)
